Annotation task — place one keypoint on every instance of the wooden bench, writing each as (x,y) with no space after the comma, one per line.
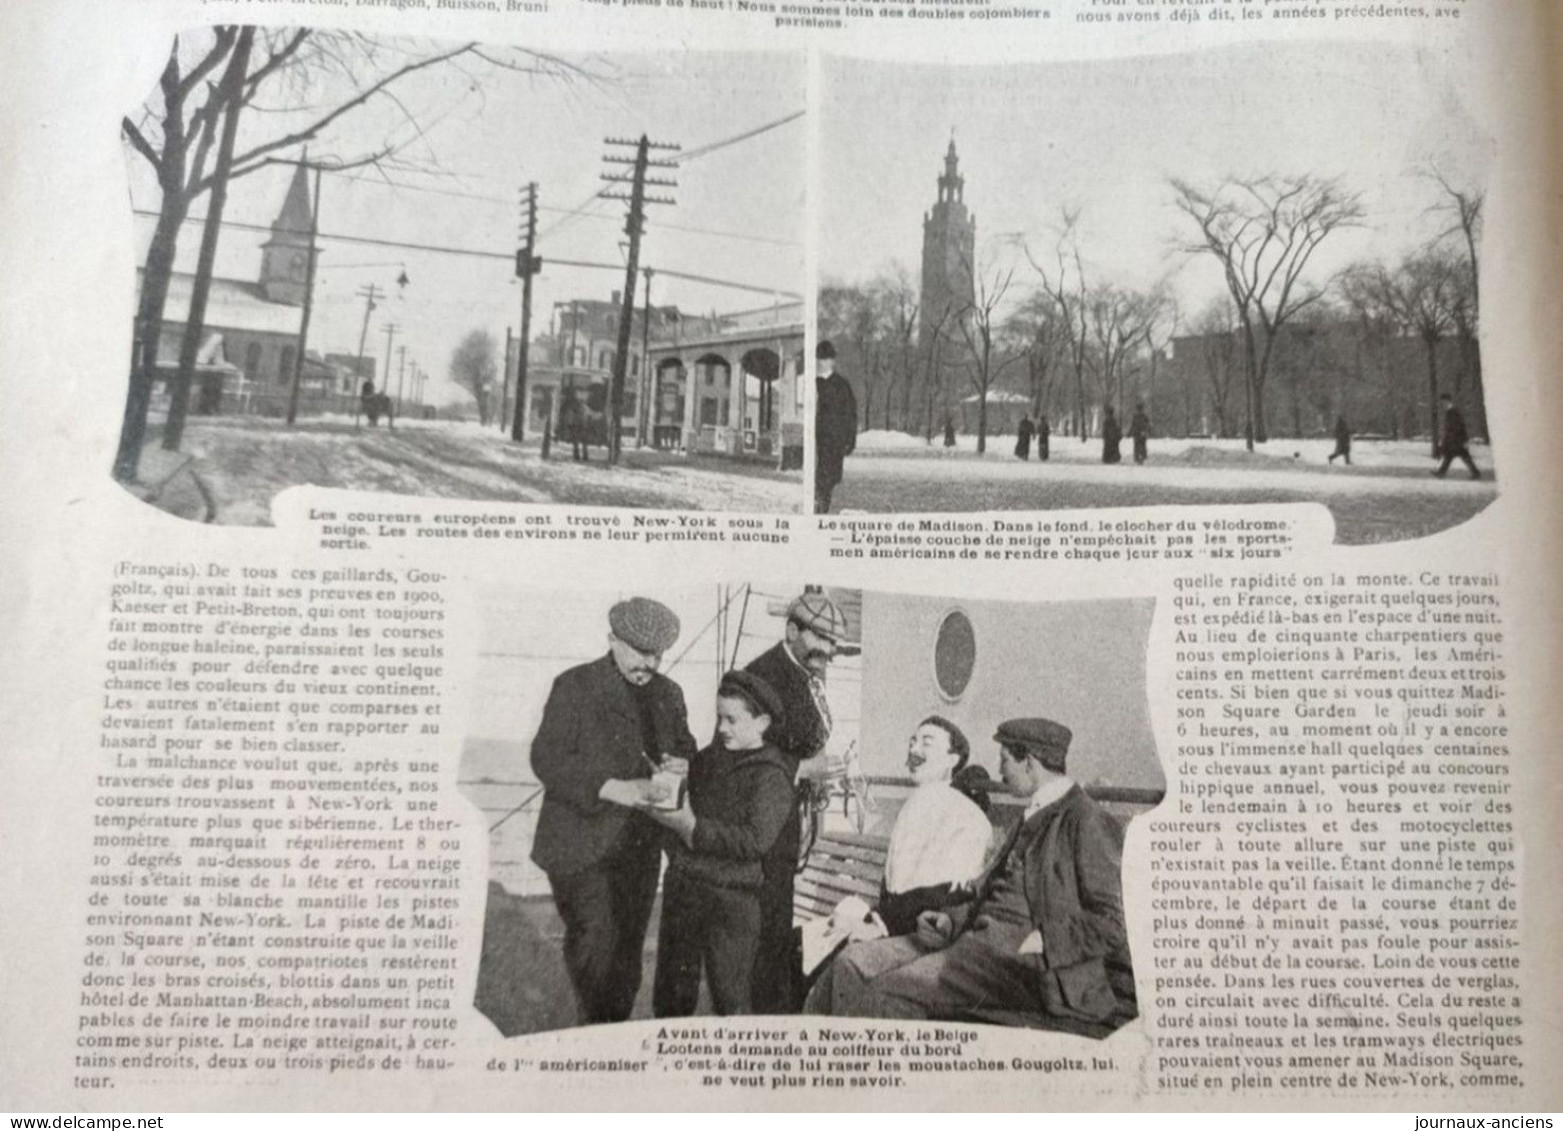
(839,865)
(842,864)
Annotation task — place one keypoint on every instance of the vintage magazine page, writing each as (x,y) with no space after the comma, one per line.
(872,555)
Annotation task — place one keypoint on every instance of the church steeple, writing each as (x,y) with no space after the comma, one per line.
(285,254)
(949,249)
(952,186)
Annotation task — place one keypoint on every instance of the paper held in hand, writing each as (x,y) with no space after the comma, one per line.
(666,790)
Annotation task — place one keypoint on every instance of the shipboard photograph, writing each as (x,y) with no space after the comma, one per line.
(711,803)
(1069,285)
(464,271)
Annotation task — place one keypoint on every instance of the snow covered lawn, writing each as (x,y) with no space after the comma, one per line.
(243,462)
(1387,494)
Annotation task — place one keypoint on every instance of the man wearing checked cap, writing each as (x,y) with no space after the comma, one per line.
(796,668)
(607,725)
(1042,943)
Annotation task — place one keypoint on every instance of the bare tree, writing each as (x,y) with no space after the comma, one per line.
(322,77)
(979,328)
(1264,231)
(473,366)
(1120,323)
(1464,209)
(1039,329)
(1065,281)
(1216,332)
(1425,290)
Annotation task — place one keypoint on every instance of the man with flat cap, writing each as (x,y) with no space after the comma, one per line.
(795,668)
(1042,943)
(606,727)
(835,425)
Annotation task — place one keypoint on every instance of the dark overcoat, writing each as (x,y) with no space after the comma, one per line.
(590,734)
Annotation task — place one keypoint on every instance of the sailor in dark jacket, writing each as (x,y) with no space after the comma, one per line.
(740,795)
(795,668)
(606,726)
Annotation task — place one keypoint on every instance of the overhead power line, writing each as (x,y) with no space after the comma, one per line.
(480,253)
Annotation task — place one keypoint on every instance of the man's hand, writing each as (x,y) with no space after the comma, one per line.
(673,765)
(681,821)
(636,793)
(821,767)
(935,930)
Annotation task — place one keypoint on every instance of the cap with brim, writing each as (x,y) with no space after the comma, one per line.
(818,613)
(1042,739)
(645,625)
(760,694)
(825,350)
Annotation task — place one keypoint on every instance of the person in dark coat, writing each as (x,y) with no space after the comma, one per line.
(1112,436)
(1140,432)
(606,726)
(1044,433)
(572,425)
(1023,433)
(740,796)
(1456,439)
(949,432)
(1043,942)
(795,668)
(1342,440)
(835,425)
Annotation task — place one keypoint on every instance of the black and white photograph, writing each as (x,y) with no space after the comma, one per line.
(464,271)
(1245,275)
(778,800)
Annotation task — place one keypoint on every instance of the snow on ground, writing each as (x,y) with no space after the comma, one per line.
(1309,455)
(244,461)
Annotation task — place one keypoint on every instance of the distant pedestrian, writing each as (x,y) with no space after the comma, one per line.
(1342,440)
(949,432)
(1023,433)
(1112,436)
(375,405)
(1455,443)
(835,425)
(1044,430)
(572,426)
(1140,432)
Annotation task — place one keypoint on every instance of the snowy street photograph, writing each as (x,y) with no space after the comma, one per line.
(1053,286)
(464,271)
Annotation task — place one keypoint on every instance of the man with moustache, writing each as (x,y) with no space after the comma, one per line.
(1044,941)
(607,725)
(795,668)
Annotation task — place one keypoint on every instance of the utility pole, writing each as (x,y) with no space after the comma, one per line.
(527,265)
(634,225)
(401,375)
(368,294)
(645,418)
(309,303)
(390,333)
(229,91)
(504,381)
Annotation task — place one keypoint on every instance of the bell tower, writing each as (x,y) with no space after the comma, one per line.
(285,254)
(949,248)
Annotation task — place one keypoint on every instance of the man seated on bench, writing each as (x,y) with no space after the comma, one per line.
(941,834)
(936,849)
(1034,945)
